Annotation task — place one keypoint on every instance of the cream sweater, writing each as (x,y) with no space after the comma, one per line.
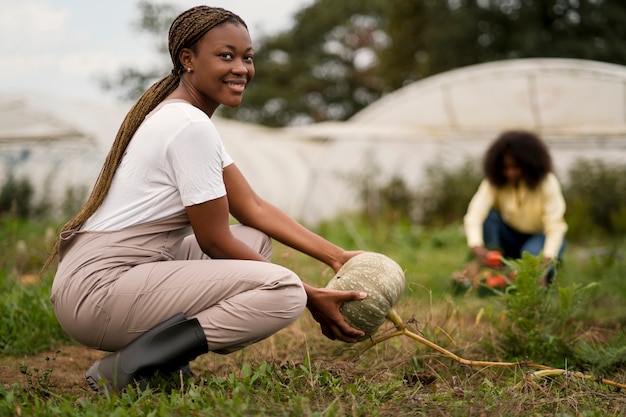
(525,210)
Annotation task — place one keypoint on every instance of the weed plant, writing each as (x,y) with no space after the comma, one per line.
(28,323)
(541,322)
(596,198)
(16,197)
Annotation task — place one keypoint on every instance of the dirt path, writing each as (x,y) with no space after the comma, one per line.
(65,367)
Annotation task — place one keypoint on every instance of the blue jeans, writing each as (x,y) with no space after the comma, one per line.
(512,243)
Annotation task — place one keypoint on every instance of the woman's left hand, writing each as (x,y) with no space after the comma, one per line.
(547,262)
(343,258)
(324,303)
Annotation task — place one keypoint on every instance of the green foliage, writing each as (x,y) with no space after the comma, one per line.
(39,381)
(24,244)
(607,266)
(308,389)
(16,197)
(263,389)
(73,200)
(390,384)
(17,201)
(428,255)
(432,24)
(443,199)
(604,357)
(551,326)
(390,202)
(28,323)
(410,41)
(596,198)
(592,210)
(429,37)
(440,201)
(540,322)
(27,320)
(301,387)
(315,71)
(154,20)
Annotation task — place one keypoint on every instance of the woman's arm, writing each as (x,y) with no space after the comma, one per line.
(553,217)
(477,211)
(250,209)
(211,227)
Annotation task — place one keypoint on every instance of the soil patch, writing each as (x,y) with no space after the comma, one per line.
(66,367)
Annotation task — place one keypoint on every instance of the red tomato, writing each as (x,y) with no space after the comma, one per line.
(494,258)
(496,281)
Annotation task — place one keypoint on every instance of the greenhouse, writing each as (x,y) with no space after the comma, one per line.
(312,171)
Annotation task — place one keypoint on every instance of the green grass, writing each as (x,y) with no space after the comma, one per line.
(298,372)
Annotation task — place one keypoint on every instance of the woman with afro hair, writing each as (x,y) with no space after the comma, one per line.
(519,206)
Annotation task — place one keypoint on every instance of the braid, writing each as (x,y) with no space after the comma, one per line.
(185,31)
(146,103)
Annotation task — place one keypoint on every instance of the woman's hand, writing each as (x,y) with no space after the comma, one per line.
(489,258)
(343,258)
(547,263)
(480,253)
(324,303)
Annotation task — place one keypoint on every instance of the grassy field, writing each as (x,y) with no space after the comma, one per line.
(577,325)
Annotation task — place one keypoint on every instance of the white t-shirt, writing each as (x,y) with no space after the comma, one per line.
(174,160)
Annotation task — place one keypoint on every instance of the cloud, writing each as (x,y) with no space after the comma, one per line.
(41,42)
(32,27)
(64,45)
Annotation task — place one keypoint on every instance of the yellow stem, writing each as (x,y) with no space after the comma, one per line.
(401,329)
(556,371)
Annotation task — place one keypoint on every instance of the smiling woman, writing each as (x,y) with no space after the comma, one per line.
(151,267)
(217,69)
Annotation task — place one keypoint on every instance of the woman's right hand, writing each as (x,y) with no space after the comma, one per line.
(324,304)
(489,258)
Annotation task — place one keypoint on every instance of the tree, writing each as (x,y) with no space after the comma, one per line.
(443,35)
(340,56)
(324,68)
(155,20)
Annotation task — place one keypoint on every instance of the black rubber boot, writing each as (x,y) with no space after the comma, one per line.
(166,347)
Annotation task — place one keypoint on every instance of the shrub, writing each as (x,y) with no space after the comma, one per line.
(27,323)
(16,197)
(446,193)
(596,199)
(74,199)
(540,323)
(17,200)
(595,193)
(441,201)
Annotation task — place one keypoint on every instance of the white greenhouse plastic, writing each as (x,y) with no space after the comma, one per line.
(311,171)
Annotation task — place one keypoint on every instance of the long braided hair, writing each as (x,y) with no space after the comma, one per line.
(185,31)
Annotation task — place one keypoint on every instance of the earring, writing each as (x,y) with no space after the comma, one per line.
(188,69)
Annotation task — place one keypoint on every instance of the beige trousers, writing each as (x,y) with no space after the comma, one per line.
(110,287)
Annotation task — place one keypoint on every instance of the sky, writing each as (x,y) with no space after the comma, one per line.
(64,46)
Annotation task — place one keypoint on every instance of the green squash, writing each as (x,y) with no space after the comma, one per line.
(383,281)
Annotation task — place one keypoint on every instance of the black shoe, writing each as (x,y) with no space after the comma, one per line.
(166,347)
(166,380)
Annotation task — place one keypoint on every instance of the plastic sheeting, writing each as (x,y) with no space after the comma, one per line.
(314,172)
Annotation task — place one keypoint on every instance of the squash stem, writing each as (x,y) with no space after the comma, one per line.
(544,370)
(555,371)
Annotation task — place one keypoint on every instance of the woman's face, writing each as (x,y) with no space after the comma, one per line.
(511,170)
(222,66)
